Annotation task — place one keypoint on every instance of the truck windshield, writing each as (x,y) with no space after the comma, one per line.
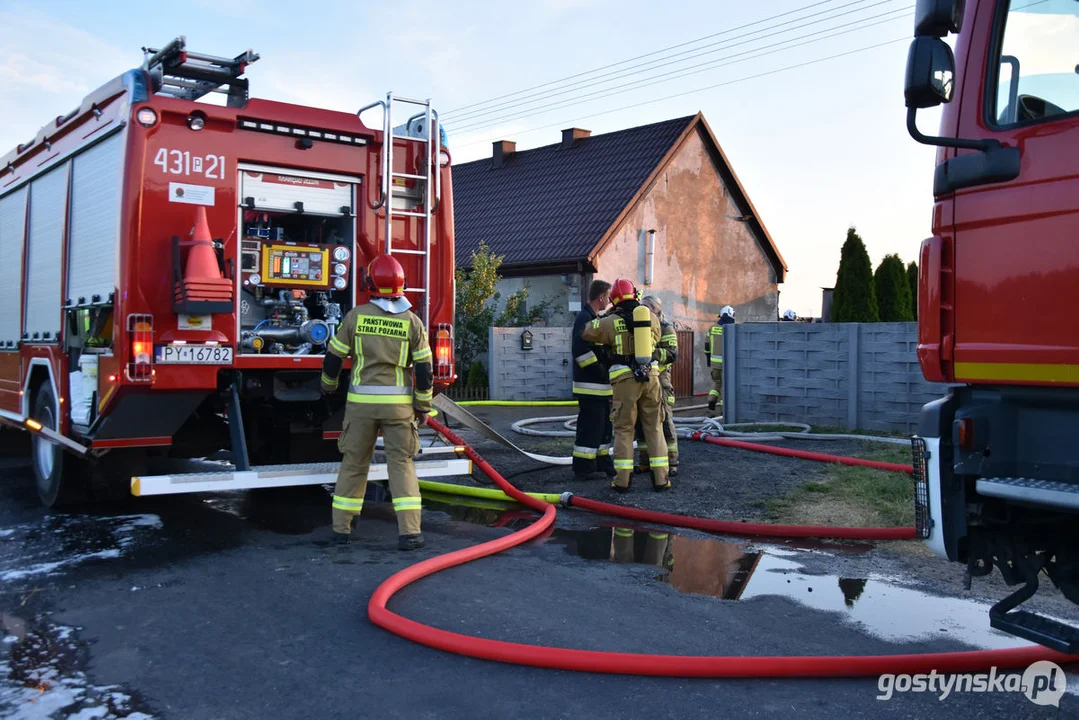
(1037,77)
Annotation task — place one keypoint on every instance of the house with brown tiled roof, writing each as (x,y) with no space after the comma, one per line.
(658,204)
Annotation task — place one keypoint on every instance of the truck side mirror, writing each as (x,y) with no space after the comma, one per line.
(930,73)
(937,18)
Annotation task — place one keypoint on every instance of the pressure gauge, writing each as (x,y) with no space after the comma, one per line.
(340,269)
(341,253)
(254,279)
(340,283)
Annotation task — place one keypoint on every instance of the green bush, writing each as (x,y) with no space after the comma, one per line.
(855,297)
(477,375)
(477,299)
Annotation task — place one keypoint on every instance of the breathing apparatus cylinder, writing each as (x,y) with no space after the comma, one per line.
(642,335)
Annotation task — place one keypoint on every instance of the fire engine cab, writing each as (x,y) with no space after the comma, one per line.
(995,462)
(174,268)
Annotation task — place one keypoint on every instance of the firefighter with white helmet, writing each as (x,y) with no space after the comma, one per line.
(387,343)
(713,348)
(789,315)
(632,332)
(668,354)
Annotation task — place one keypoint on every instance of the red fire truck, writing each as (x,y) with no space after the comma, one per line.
(173,268)
(997,459)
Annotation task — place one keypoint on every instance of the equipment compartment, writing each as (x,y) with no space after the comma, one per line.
(296,262)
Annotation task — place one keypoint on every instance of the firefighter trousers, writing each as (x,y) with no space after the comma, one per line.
(357,445)
(669,434)
(592,448)
(634,399)
(716,392)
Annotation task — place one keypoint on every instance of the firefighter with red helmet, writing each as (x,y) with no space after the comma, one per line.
(632,333)
(387,343)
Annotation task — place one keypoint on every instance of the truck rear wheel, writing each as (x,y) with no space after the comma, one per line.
(55,474)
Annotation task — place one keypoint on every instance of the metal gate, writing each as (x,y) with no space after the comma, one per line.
(682,373)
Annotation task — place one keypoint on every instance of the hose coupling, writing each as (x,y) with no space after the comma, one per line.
(565,498)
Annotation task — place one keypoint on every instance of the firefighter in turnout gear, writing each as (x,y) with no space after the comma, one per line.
(386,342)
(592,390)
(631,333)
(668,354)
(713,348)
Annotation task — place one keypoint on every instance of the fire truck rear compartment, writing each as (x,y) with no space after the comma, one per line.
(296,281)
(296,258)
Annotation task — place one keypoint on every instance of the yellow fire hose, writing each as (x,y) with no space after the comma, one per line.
(479,492)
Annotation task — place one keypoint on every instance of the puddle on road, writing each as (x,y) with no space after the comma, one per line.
(42,675)
(65,541)
(878,604)
(285,511)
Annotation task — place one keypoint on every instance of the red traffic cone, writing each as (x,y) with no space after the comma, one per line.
(201,259)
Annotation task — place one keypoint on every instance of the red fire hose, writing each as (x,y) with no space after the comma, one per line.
(639,664)
(804,454)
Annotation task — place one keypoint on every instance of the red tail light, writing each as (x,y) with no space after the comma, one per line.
(443,352)
(141,334)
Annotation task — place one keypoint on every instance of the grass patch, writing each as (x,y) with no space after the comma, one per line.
(850,496)
(844,431)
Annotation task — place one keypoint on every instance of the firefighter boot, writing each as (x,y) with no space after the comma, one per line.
(410,542)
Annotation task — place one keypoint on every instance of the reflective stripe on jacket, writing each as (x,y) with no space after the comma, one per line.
(715,346)
(384,347)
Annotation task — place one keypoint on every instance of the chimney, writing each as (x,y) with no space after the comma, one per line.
(569,135)
(502,150)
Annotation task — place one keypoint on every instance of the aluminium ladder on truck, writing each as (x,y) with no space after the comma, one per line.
(177,72)
(431,178)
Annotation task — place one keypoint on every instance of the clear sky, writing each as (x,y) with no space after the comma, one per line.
(818,147)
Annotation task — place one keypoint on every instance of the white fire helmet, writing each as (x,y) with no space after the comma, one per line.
(790,315)
(728,311)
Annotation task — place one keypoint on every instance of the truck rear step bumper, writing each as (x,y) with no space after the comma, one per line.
(267,476)
(1036,492)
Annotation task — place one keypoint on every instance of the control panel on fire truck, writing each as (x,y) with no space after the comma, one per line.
(295,276)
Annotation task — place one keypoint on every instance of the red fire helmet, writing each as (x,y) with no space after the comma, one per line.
(386,276)
(622,290)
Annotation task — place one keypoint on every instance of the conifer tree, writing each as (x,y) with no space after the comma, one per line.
(855,297)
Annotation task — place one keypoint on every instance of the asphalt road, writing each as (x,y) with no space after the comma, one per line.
(235,606)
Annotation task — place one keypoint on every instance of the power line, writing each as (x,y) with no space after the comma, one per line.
(701,89)
(685,72)
(638,57)
(658,63)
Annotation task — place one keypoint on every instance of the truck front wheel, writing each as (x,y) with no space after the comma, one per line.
(54,473)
